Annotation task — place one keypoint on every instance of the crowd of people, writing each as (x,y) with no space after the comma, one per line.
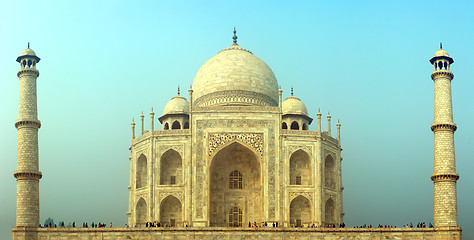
(254,225)
(73,225)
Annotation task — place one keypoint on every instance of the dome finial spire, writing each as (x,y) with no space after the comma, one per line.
(291,91)
(28,44)
(178,89)
(235,36)
(440,45)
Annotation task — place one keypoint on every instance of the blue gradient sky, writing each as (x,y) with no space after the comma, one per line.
(366,62)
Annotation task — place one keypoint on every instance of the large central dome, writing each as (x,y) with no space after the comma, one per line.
(235,77)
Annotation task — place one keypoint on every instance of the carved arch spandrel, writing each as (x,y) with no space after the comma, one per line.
(294,148)
(178,195)
(177,148)
(217,141)
(307,195)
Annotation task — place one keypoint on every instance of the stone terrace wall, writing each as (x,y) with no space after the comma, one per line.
(20,233)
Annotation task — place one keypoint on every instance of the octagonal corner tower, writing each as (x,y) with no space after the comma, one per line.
(235,77)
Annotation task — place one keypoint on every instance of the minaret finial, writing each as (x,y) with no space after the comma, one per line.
(178,89)
(291,91)
(235,36)
(440,45)
(28,44)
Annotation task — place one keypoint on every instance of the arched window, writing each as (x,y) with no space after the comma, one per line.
(329,172)
(29,63)
(436,65)
(141,172)
(235,180)
(446,65)
(329,212)
(186,125)
(176,125)
(235,217)
(305,127)
(140,213)
(166,127)
(284,126)
(295,126)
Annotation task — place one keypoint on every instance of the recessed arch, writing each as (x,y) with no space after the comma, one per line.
(186,125)
(284,126)
(305,126)
(176,125)
(295,125)
(171,169)
(141,172)
(140,213)
(300,168)
(235,156)
(329,212)
(300,212)
(329,172)
(166,127)
(171,211)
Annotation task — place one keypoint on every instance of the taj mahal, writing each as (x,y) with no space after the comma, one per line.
(231,154)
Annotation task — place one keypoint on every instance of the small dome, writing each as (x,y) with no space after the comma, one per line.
(28,52)
(177,105)
(441,53)
(293,105)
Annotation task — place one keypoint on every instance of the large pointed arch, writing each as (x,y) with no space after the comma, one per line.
(300,171)
(141,173)
(235,160)
(141,213)
(171,168)
(171,211)
(300,212)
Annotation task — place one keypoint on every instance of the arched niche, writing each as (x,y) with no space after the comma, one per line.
(171,212)
(300,168)
(176,125)
(141,212)
(236,161)
(141,172)
(305,126)
(329,212)
(171,169)
(186,125)
(284,126)
(166,126)
(300,212)
(295,125)
(329,172)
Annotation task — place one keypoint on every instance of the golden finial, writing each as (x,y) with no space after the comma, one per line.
(235,36)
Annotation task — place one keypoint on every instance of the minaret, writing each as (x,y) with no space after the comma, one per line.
(444,176)
(27,174)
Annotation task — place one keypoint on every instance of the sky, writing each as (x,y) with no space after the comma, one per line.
(366,62)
